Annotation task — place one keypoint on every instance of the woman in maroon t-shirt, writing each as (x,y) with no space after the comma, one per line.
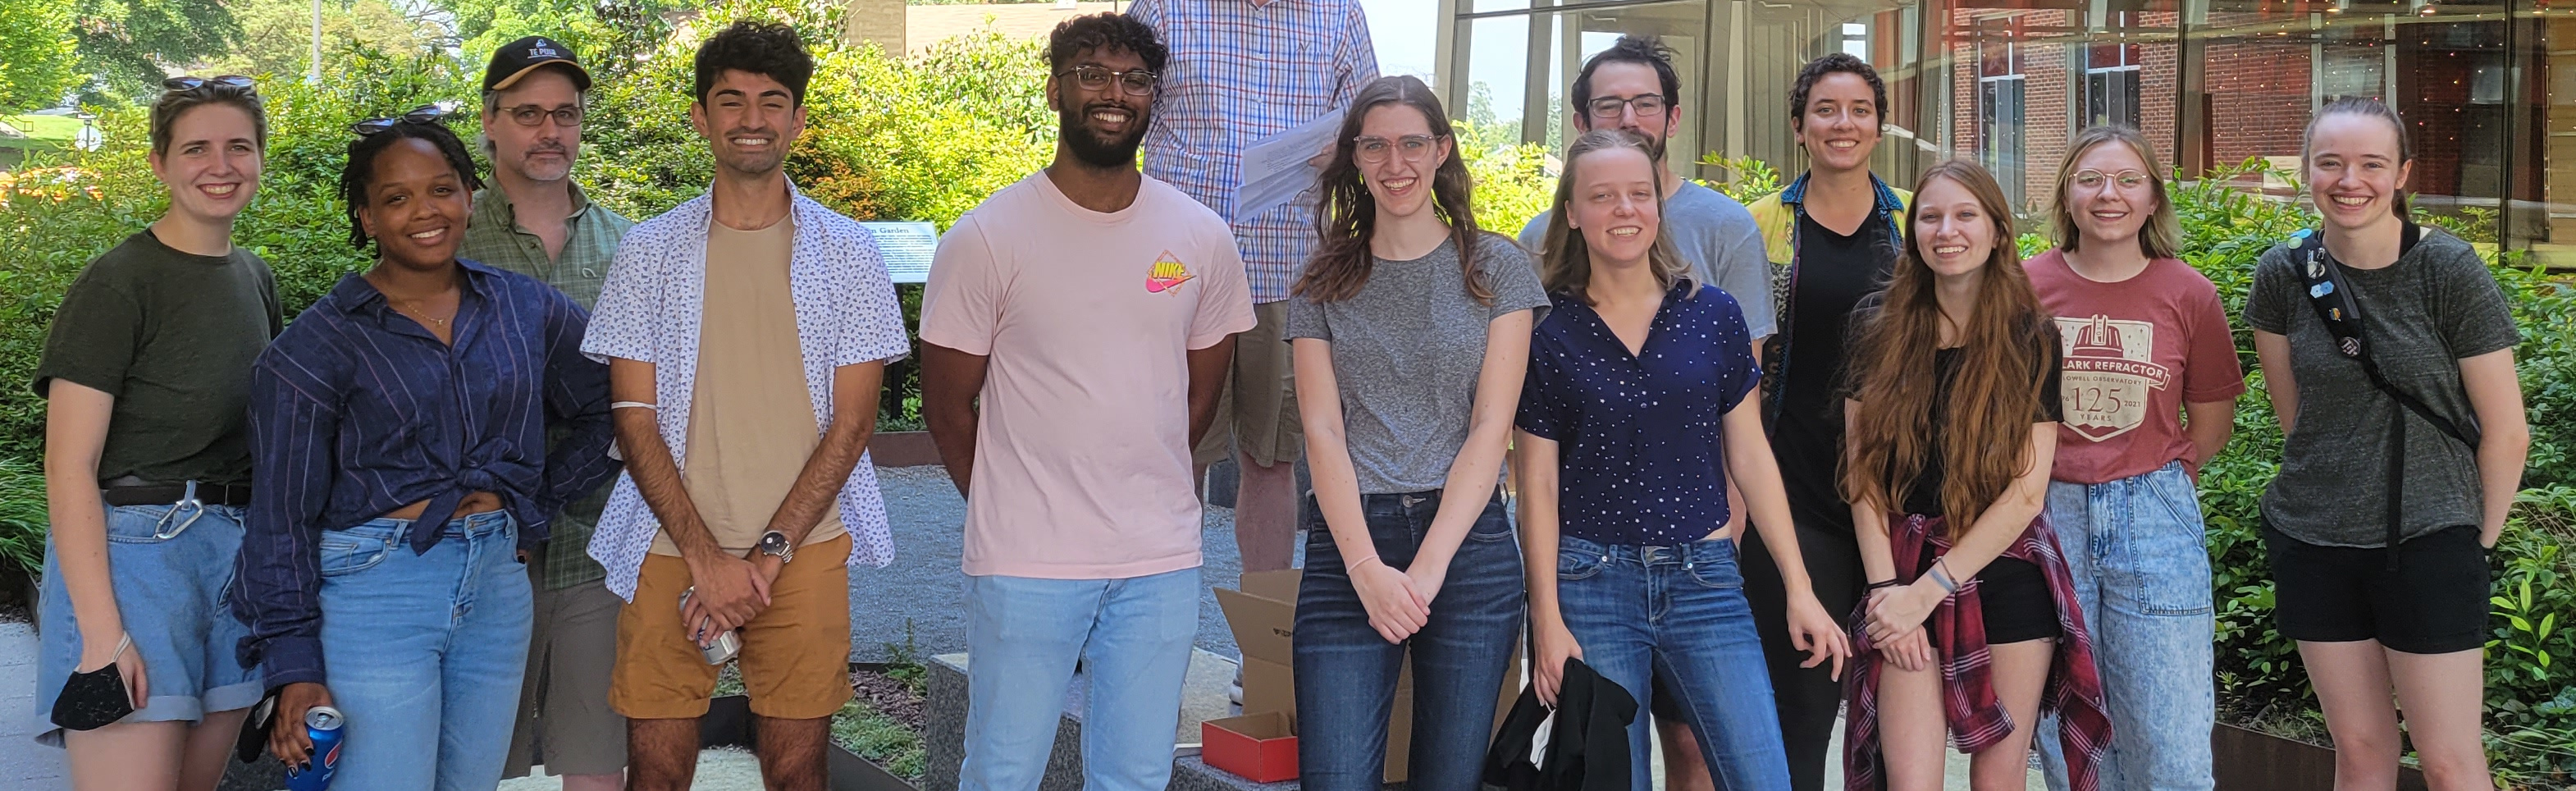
(2149,381)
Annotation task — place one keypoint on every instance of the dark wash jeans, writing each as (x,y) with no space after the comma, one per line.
(1346,673)
(1677,613)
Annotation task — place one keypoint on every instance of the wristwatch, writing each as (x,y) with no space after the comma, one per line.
(775,544)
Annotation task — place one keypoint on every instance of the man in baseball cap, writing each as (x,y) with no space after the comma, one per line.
(532,219)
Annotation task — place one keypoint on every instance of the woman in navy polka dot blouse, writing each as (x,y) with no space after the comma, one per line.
(1634,413)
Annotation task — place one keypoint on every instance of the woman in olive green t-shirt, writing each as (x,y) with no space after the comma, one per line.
(146,372)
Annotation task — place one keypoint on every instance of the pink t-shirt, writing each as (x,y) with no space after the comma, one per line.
(2135,351)
(1082,452)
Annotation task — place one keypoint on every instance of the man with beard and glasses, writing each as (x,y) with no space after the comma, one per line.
(1243,70)
(1092,311)
(532,219)
(1633,86)
(737,327)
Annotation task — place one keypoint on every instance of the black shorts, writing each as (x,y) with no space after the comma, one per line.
(2434,603)
(2013,595)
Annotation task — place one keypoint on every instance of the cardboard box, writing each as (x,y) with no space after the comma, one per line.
(1260,747)
(1263,616)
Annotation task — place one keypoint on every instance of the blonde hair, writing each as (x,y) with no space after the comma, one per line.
(2161,237)
(1564,262)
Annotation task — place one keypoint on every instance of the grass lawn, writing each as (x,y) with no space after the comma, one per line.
(43,131)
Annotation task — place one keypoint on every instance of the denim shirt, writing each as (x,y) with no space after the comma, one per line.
(357,411)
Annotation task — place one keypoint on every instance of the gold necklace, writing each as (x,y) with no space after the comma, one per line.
(416,312)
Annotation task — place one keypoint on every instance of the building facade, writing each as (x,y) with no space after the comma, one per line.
(2489,90)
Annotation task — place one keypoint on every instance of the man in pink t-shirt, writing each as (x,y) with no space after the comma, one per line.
(1092,310)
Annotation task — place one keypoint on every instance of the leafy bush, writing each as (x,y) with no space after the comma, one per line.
(924,139)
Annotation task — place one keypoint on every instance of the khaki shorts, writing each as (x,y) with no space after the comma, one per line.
(564,719)
(1257,413)
(795,655)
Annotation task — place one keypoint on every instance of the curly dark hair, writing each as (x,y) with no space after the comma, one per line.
(768,49)
(1837,63)
(1647,50)
(360,173)
(1106,30)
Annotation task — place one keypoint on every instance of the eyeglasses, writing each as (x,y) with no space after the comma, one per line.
(1647,104)
(228,82)
(1411,148)
(568,117)
(2094,179)
(424,114)
(1136,82)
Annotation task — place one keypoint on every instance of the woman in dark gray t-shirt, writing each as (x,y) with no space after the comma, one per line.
(2385,588)
(1410,330)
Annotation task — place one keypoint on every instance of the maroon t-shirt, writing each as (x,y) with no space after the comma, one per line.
(2135,352)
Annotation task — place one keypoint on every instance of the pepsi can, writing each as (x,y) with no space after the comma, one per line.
(322,725)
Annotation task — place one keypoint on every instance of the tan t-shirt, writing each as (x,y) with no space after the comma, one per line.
(751,423)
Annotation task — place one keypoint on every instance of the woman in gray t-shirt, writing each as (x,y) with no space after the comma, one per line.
(1410,330)
(2385,588)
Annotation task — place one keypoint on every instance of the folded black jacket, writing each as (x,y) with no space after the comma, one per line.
(1587,749)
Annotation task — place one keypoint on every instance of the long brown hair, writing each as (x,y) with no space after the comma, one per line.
(2160,237)
(1984,429)
(1348,214)
(1564,262)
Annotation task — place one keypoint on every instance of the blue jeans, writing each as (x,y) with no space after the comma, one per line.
(169,585)
(1346,673)
(424,651)
(1677,613)
(1023,636)
(2142,575)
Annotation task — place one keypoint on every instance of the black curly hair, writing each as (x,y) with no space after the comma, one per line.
(1107,30)
(768,49)
(360,173)
(1837,63)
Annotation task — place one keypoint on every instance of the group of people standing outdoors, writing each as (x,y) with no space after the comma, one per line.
(1839,456)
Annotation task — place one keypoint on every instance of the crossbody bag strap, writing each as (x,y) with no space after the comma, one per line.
(2338,310)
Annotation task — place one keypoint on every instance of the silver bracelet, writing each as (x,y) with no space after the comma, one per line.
(634,404)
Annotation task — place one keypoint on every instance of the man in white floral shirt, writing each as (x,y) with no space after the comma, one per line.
(738,492)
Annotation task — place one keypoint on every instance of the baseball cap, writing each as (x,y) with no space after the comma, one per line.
(516,59)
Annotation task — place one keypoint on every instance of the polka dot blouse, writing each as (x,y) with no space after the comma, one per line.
(1641,456)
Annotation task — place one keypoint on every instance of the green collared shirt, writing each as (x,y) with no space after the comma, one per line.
(494,236)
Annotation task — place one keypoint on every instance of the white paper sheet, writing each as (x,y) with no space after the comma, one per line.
(1275,170)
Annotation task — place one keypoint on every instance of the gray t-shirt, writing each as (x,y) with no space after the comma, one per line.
(2436,306)
(1717,236)
(1406,352)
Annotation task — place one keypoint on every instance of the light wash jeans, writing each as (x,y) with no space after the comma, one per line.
(169,575)
(2141,573)
(1679,613)
(1023,636)
(424,652)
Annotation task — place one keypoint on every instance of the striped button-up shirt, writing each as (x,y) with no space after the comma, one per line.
(357,411)
(1240,71)
(495,237)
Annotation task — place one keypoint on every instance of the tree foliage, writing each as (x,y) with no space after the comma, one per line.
(128,44)
(36,59)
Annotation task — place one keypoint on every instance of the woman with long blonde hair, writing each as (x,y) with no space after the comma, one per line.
(1952,427)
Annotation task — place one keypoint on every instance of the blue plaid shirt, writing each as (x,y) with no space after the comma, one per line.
(1240,71)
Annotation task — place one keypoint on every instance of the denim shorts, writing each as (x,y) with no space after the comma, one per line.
(170,593)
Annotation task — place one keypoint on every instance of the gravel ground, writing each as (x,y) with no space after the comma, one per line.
(924,590)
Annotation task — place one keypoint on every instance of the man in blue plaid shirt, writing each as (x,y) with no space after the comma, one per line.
(1240,71)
